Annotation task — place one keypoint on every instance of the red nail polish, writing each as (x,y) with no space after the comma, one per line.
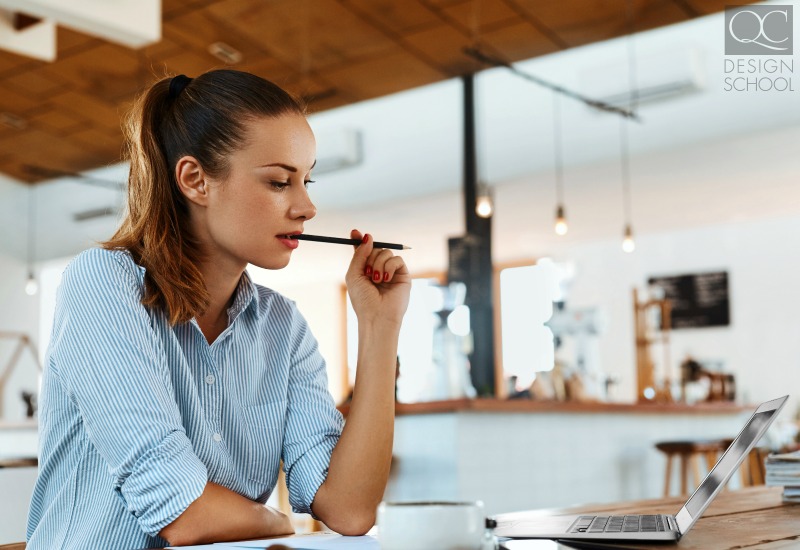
(366,238)
(369,271)
(386,277)
(377,276)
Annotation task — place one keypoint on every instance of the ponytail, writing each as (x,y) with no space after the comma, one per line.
(201,117)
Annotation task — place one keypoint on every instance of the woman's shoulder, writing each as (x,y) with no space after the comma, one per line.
(99,266)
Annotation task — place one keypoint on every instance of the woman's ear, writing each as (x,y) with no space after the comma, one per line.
(191,180)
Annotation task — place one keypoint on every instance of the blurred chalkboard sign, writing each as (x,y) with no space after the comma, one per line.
(460,259)
(698,300)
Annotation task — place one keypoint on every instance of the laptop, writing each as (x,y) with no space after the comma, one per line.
(661,527)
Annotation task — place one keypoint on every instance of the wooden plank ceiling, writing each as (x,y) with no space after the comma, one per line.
(65,115)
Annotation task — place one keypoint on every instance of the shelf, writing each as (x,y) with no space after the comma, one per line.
(530,406)
(19,425)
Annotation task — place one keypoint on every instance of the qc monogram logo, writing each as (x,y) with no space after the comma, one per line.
(758,30)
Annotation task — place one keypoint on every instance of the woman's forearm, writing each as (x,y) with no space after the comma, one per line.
(360,463)
(220,514)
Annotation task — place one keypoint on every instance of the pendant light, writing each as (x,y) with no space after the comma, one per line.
(484,204)
(561,226)
(31,285)
(628,244)
(484,195)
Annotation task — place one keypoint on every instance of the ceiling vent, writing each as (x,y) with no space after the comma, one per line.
(338,149)
(660,76)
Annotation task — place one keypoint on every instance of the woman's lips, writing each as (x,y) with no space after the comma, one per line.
(290,243)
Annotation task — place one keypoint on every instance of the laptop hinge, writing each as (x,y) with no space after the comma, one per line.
(673,525)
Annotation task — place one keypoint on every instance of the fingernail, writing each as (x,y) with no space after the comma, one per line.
(386,276)
(376,277)
(369,271)
(366,238)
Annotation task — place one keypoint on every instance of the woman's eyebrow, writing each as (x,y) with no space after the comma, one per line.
(286,166)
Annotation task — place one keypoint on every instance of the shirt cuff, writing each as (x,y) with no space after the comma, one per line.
(164,482)
(304,477)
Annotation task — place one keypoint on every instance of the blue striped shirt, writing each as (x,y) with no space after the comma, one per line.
(136,416)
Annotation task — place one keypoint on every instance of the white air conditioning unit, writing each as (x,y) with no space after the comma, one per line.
(95,213)
(338,149)
(659,76)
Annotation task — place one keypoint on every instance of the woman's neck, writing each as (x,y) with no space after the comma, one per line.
(221,285)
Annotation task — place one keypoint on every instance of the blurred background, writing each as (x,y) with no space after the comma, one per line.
(601,199)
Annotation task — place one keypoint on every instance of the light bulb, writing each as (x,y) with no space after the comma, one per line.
(561,227)
(627,242)
(483,206)
(31,286)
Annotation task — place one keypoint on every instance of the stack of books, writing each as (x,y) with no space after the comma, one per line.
(783,470)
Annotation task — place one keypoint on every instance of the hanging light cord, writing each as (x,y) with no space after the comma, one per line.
(31,227)
(626,172)
(633,96)
(557,149)
(632,80)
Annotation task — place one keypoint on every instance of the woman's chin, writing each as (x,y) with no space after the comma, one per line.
(271,263)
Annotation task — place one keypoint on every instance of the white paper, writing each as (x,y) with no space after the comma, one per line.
(311,542)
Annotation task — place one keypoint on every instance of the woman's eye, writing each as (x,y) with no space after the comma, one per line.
(280,185)
(308,182)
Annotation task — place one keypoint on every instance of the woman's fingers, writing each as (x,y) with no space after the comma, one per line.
(376,262)
(393,265)
(362,254)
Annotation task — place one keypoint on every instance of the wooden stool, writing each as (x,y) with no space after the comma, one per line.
(753,470)
(690,452)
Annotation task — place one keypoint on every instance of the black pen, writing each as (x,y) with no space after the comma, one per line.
(354,242)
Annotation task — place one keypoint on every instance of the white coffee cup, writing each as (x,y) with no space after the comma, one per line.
(432,526)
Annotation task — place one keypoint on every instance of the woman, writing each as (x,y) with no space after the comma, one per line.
(173,385)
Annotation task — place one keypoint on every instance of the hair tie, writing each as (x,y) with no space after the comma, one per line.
(177,84)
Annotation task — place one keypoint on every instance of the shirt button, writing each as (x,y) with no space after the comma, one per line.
(217,437)
(210,379)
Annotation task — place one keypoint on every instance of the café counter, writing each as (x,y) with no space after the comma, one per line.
(524,454)
(18,449)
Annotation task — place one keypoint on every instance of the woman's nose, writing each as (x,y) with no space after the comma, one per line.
(304,208)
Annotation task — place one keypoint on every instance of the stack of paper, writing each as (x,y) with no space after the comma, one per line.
(784,470)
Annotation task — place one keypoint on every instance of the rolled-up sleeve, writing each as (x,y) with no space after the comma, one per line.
(313,424)
(105,354)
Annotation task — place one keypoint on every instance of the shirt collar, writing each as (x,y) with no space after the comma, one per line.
(246,294)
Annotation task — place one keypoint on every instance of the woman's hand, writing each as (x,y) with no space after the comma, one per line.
(378,283)
(220,515)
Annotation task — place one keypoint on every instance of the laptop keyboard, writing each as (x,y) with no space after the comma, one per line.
(617,524)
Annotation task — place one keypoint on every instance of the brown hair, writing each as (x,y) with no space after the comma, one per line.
(205,120)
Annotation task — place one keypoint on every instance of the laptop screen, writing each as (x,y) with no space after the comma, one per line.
(728,462)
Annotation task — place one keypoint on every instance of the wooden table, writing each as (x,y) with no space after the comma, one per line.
(753,518)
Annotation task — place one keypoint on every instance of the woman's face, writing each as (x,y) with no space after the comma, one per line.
(264,195)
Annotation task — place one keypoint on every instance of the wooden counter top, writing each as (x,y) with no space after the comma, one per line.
(530,406)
